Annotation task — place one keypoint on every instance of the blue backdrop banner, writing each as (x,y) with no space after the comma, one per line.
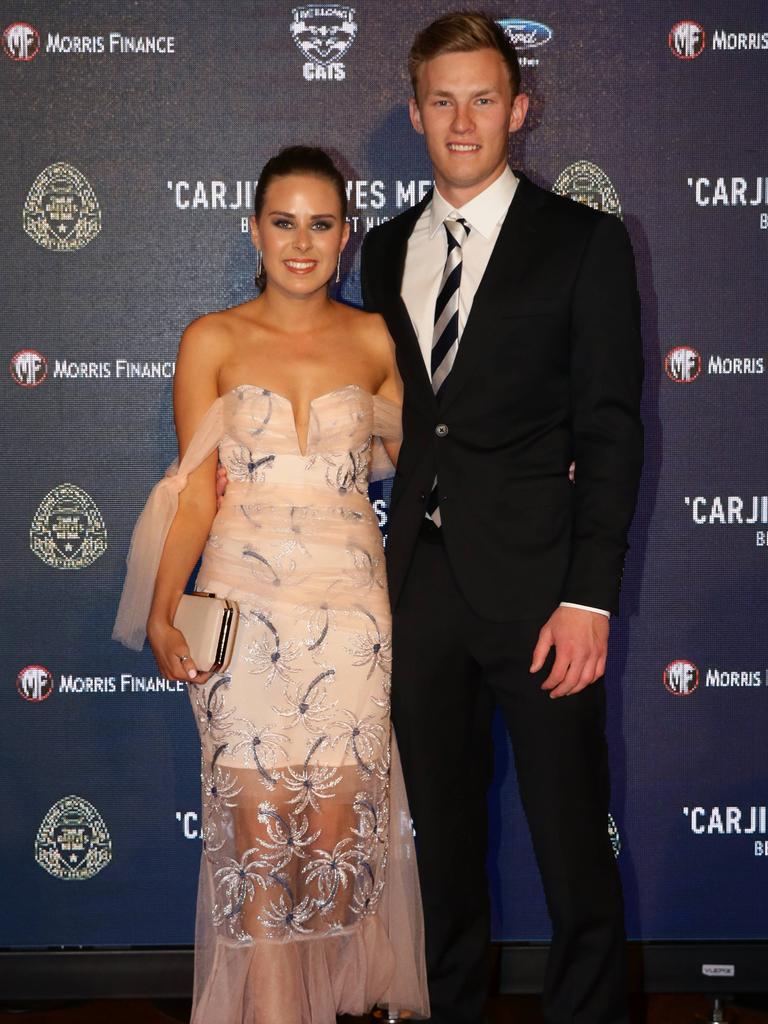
(133,135)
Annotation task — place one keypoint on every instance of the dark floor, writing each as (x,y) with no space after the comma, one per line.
(655,1009)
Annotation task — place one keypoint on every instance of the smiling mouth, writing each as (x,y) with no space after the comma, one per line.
(463,147)
(300,266)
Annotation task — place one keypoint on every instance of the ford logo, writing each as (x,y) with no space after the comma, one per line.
(524,35)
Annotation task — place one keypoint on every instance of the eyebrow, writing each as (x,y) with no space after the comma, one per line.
(475,94)
(315,216)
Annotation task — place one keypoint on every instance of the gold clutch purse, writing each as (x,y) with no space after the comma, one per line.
(209,625)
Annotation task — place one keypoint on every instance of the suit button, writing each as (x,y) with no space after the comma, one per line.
(441,429)
(422,496)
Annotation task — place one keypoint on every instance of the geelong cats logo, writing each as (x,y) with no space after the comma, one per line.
(324,35)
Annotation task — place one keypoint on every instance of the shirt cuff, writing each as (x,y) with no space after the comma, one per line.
(586,608)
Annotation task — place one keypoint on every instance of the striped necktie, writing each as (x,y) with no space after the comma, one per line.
(445,336)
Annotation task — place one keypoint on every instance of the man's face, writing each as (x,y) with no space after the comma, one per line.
(465,110)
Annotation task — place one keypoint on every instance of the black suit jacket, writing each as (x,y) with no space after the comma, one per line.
(549,369)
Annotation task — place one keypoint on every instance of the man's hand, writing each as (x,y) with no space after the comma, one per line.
(580,639)
(221,484)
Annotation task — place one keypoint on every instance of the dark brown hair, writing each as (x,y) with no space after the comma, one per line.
(462,32)
(298,160)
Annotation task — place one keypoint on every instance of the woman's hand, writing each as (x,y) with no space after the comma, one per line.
(172,654)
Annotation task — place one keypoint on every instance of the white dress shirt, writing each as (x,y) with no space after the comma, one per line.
(425,260)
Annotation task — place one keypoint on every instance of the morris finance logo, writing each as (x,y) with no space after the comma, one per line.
(62,212)
(525,35)
(67,530)
(585,182)
(324,35)
(681,678)
(682,364)
(34,683)
(126,682)
(21,41)
(28,367)
(73,842)
(687,39)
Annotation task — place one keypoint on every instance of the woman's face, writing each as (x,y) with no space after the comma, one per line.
(300,232)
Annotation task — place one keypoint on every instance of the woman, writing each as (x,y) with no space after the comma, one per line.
(309,903)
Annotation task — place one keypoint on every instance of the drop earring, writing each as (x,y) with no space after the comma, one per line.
(259,266)
(338,269)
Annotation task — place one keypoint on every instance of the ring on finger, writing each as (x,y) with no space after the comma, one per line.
(183,657)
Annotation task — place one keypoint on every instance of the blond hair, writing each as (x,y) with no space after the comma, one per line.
(462,32)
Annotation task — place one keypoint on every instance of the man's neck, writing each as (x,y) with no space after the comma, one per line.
(458,196)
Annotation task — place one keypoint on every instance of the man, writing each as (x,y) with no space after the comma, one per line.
(515,317)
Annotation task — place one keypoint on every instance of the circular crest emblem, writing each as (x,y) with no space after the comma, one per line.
(21,41)
(67,530)
(34,683)
(682,364)
(62,212)
(613,835)
(28,367)
(681,678)
(73,842)
(587,183)
(687,39)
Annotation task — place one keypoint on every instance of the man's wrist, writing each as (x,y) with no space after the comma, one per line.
(585,608)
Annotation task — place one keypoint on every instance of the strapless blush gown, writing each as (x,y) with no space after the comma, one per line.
(308,902)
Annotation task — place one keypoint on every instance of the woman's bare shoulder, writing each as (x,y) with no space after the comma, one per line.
(369,327)
(216,326)
(376,334)
(212,335)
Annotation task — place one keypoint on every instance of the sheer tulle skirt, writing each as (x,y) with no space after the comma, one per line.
(369,955)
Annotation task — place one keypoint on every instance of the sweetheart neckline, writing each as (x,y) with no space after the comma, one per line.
(303,451)
(285,398)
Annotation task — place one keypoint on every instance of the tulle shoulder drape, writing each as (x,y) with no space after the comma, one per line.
(152,528)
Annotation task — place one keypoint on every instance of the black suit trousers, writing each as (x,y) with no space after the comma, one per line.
(451,668)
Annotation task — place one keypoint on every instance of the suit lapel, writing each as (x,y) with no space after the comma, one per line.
(395,310)
(506,270)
